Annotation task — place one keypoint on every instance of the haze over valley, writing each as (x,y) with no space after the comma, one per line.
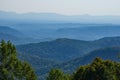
(59,40)
(50,26)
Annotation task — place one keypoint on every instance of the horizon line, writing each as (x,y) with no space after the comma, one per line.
(55,13)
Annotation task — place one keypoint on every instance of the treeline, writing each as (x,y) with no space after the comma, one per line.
(98,70)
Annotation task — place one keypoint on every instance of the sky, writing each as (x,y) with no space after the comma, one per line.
(66,7)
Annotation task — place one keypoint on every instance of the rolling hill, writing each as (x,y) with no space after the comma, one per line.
(68,30)
(7,33)
(89,32)
(10,31)
(67,49)
(109,53)
(41,65)
(67,54)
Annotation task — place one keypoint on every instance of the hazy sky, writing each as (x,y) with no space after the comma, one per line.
(68,7)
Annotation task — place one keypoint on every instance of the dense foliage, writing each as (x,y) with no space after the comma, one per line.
(98,70)
(11,68)
(56,74)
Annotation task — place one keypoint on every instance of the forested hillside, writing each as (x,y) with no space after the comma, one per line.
(69,48)
(68,54)
(110,53)
(98,69)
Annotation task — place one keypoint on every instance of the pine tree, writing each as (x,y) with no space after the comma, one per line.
(11,68)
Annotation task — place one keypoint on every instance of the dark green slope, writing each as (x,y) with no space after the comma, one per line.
(110,53)
(67,49)
(41,65)
(72,52)
(60,49)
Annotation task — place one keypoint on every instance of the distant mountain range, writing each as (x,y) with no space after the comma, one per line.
(68,30)
(7,33)
(10,31)
(56,18)
(89,32)
(15,36)
(50,26)
(31,34)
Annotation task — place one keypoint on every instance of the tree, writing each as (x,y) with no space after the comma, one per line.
(11,68)
(56,74)
(99,70)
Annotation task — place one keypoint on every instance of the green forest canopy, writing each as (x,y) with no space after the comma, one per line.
(98,70)
(11,68)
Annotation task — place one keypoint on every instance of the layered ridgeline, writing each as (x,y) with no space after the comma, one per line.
(7,33)
(10,31)
(68,54)
(47,26)
(88,31)
(66,49)
(110,53)
(12,17)
(50,31)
